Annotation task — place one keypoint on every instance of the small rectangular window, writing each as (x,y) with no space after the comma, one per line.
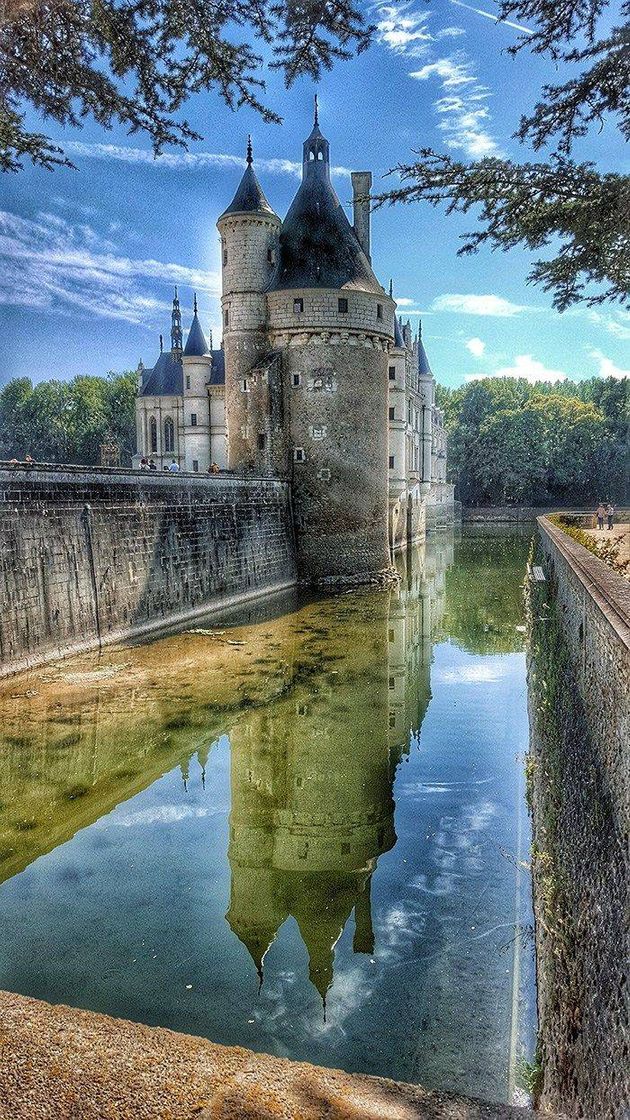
(188,381)
(342,305)
(297,380)
(244,386)
(262,441)
(379,311)
(270,256)
(226,317)
(392,719)
(392,412)
(298,306)
(196,466)
(392,682)
(391,635)
(391,462)
(392,373)
(298,455)
(193,419)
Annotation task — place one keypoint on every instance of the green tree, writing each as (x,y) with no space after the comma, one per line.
(137,61)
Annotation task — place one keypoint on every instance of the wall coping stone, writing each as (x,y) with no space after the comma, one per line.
(606,587)
(81,473)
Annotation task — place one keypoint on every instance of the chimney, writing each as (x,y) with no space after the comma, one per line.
(361,187)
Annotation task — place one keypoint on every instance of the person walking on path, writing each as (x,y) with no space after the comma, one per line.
(600,516)
(610,514)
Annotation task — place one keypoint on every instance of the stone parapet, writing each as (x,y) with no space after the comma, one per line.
(91,556)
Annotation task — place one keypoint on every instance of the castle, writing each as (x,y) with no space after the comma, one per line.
(317,379)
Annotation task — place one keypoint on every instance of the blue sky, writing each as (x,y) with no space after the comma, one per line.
(90,257)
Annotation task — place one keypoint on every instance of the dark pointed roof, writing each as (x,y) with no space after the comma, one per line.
(196,344)
(424,369)
(249,194)
(318,246)
(166,379)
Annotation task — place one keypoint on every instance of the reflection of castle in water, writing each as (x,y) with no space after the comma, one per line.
(312,778)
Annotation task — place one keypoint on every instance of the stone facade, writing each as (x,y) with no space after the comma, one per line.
(579,681)
(91,557)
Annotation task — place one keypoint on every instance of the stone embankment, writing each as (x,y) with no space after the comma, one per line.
(528,514)
(90,556)
(59,1063)
(579,788)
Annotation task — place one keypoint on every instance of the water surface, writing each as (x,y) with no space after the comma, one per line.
(300,830)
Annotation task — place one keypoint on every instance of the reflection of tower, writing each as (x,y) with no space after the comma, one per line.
(312,776)
(312,805)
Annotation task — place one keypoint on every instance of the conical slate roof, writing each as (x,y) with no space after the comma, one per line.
(249,196)
(424,369)
(318,247)
(166,379)
(196,344)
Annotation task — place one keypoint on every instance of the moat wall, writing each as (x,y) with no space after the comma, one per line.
(89,557)
(579,782)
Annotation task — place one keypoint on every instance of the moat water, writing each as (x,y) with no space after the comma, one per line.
(301,830)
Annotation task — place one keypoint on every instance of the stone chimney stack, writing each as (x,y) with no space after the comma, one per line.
(361,187)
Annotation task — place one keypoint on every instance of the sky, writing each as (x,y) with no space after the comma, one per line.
(89,258)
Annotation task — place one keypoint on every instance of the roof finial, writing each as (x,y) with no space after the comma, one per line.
(391,289)
(195,303)
(161,343)
(316,122)
(176,296)
(250,152)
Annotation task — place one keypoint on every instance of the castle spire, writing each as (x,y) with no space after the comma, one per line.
(316,119)
(391,289)
(161,344)
(250,152)
(194,303)
(176,328)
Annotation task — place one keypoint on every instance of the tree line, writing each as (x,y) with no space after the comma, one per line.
(513,442)
(67,421)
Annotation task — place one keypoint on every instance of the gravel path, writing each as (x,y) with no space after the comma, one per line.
(58,1063)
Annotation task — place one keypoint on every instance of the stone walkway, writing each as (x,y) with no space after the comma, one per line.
(58,1063)
(619,534)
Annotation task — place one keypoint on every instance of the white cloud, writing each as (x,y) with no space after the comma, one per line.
(403,30)
(487,671)
(186,161)
(463,109)
(468,304)
(403,301)
(476,347)
(607,367)
(617,323)
(524,366)
(50,264)
(494,18)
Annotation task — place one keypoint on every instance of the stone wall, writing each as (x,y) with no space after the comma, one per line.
(579,771)
(530,514)
(94,556)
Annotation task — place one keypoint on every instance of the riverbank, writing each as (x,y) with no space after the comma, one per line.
(60,1063)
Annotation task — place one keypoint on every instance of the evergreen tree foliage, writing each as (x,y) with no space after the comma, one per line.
(579,214)
(137,61)
(511,442)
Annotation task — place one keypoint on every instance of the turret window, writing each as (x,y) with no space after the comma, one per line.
(298,455)
(297,380)
(225,256)
(226,317)
(392,373)
(188,381)
(262,441)
(391,462)
(298,306)
(379,311)
(196,466)
(342,305)
(193,419)
(271,256)
(392,413)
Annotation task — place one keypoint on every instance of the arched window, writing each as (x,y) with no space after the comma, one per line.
(169,434)
(153,434)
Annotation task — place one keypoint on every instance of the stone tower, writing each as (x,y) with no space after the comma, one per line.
(197,369)
(249,231)
(333,324)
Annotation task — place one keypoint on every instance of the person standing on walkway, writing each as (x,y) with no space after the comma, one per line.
(173,466)
(610,512)
(600,516)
